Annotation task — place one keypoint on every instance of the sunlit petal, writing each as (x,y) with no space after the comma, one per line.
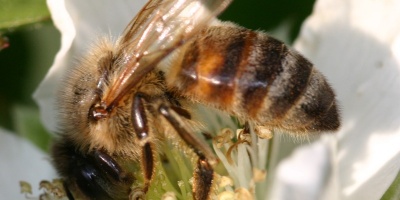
(304,175)
(21,161)
(356,45)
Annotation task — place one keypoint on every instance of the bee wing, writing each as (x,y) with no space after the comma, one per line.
(159,28)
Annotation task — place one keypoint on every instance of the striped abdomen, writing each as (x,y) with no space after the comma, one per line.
(256,77)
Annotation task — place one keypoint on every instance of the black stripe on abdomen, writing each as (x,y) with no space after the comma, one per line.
(290,86)
(264,66)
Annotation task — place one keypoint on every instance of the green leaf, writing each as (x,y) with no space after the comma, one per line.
(15,13)
(269,14)
(27,124)
(393,193)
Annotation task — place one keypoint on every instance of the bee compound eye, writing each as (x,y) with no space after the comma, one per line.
(111,167)
(90,182)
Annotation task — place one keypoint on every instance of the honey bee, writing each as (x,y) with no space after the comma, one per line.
(125,99)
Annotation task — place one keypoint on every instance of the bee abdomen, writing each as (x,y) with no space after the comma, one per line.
(256,77)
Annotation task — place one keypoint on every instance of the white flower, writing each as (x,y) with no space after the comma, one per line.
(21,161)
(356,44)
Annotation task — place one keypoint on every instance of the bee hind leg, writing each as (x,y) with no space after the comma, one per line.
(204,173)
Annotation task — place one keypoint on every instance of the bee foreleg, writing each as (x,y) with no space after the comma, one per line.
(204,173)
(140,124)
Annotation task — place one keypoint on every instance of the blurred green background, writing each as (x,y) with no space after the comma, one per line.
(34,41)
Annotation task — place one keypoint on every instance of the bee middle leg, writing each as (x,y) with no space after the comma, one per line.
(204,173)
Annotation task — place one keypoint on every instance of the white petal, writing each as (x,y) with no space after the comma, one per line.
(21,160)
(356,45)
(81,23)
(304,174)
